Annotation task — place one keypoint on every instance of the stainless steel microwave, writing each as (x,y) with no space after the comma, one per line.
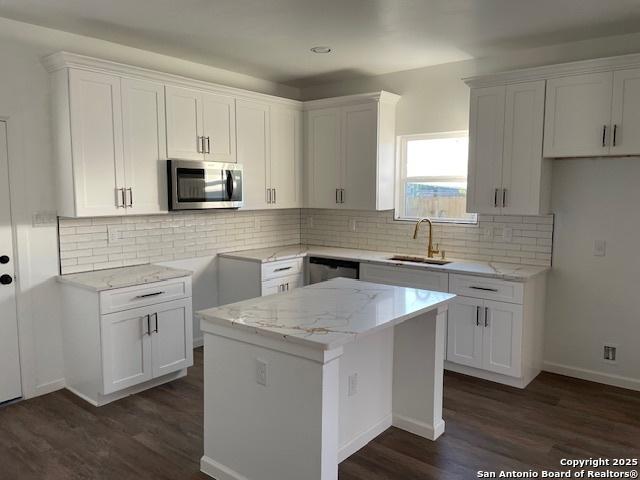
(195,185)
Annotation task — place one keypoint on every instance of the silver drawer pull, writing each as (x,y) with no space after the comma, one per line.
(495,290)
(282,269)
(154,294)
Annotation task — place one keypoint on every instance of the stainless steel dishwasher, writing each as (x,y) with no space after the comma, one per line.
(322,269)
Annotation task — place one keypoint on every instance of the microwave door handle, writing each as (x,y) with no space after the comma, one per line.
(229,184)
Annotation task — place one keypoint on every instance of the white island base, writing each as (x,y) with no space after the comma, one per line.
(371,357)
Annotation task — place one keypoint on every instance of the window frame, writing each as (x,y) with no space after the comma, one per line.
(402,179)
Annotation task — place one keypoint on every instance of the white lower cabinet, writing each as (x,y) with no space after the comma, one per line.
(464,334)
(145,339)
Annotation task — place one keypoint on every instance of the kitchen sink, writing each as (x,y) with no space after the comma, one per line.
(417,259)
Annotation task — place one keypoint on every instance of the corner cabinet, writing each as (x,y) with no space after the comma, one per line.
(110,144)
(507,174)
(125,340)
(350,152)
(269,139)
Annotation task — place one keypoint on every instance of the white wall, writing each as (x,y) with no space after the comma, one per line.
(24,102)
(590,300)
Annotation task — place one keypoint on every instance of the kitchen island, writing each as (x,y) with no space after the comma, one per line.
(296,382)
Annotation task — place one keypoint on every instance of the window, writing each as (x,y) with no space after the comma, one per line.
(433,177)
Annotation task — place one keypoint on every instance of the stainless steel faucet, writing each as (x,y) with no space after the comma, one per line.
(430,250)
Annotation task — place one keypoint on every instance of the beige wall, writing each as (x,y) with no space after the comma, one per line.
(590,300)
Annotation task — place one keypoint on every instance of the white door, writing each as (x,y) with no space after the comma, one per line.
(285,166)
(10,385)
(219,127)
(143,118)
(625,118)
(171,336)
(253,152)
(126,349)
(184,123)
(486,132)
(96,139)
(578,114)
(502,338)
(359,156)
(522,154)
(323,176)
(464,331)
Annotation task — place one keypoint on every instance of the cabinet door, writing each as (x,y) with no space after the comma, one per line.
(171,336)
(253,151)
(359,135)
(282,285)
(502,338)
(486,132)
(578,113)
(184,123)
(323,175)
(522,154)
(285,166)
(464,331)
(219,127)
(143,117)
(626,112)
(126,349)
(96,133)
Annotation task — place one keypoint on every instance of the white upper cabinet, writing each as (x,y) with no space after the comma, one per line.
(285,166)
(625,114)
(351,152)
(253,152)
(507,174)
(578,115)
(143,117)
(200,125)
(95,145)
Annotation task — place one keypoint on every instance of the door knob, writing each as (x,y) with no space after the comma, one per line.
(4,259)
(6,279)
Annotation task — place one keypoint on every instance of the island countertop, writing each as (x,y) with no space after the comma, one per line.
(326,315)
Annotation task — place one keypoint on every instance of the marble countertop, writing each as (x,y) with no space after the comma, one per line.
(122,277)
(326,315)
(504,271)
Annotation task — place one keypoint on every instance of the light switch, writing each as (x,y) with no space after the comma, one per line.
(352,225)
(599,248)
(261,372)
(353,385)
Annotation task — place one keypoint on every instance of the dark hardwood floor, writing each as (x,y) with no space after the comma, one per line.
(158,434)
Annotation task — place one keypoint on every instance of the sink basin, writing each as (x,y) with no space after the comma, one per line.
(417,259)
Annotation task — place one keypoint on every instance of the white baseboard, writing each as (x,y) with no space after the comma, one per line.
(48,387)
(417,427)
(485,375)
(363,438)
(198,342)
(592,375)
(218,471)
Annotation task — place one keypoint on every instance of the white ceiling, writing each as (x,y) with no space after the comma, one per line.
(271,38)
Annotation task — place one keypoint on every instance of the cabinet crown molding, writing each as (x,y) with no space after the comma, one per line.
(545,72)
(377,97)
(59,60)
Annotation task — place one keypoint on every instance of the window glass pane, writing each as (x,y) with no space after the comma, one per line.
(437,200)
(437,157)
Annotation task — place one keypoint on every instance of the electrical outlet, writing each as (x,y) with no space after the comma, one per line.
(44,219)
(507,234)
(610,353)
(261,372)
(352,225)
(599,248)
(353,384)
(114,234)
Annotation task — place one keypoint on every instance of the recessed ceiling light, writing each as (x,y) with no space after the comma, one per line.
(321,49)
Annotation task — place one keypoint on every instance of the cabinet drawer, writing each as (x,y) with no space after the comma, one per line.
(405,277)
(282,284)
(281,269)
(142,295)
(486,288)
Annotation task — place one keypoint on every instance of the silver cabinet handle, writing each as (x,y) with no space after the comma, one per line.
(130,190)
(337,195)
(156,329)
(268,195)
(154,294)
(287,286)
(274,195)
(495,197)
(477,316)
(282,269)
(342,195)
(486,289)
(604,135)
(208,145)
(486,316)
(504,197)
(148,324)
(199,144)
(615,131)
(120,200)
